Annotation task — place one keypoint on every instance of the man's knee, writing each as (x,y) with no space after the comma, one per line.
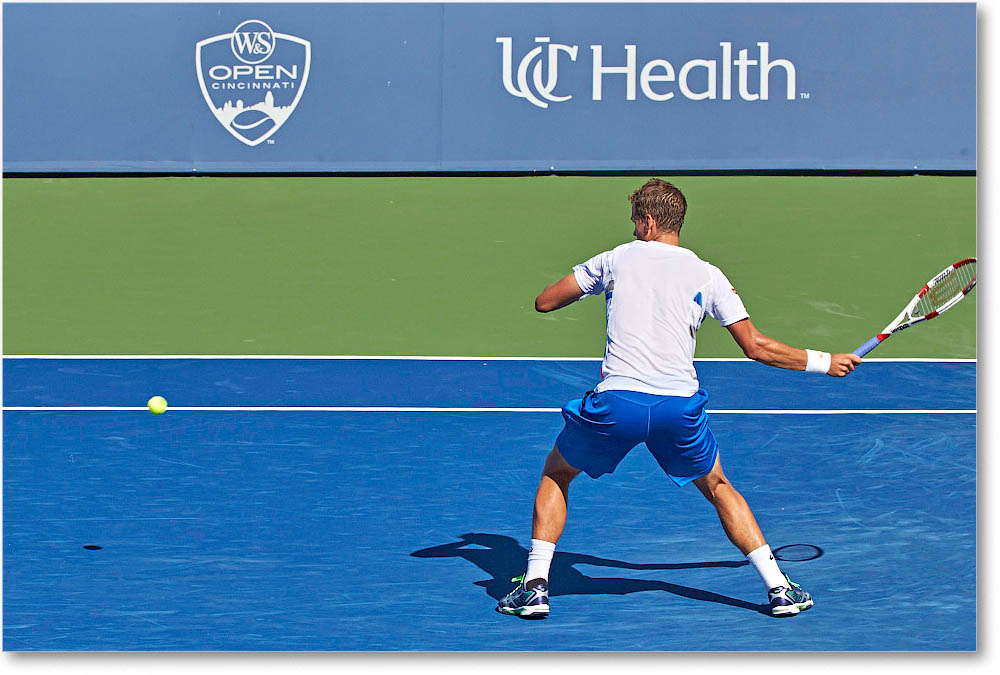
(711,483)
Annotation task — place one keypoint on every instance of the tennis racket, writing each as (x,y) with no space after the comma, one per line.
(936,297)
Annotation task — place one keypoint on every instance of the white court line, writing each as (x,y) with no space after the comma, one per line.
(841,412)
(409,358)
(303,357)
(87,408)
(411,409)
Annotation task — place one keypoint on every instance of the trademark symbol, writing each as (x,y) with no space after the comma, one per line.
(804,95)
(270,141)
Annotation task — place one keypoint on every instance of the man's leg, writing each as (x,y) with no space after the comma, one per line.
(741,527)
(549,517)
(531,597)
(734,513)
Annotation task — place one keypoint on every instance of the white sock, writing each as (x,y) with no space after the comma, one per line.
(539,559)
(767,567)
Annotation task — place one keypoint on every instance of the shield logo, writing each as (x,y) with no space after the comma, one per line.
(253,78)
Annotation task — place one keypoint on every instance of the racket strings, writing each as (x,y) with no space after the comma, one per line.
(946,289)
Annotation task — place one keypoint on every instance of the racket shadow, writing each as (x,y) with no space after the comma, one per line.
(503,558)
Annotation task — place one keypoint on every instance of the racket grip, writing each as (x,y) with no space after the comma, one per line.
(867,347)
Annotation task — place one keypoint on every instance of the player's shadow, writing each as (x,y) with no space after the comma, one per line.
(503,558)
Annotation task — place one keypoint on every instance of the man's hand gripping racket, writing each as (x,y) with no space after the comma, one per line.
(936,297)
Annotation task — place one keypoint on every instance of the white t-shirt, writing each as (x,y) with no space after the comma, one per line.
(657,296)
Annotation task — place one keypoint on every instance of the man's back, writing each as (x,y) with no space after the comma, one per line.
(657,296)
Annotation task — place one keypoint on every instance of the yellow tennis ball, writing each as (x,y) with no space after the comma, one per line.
(157,405)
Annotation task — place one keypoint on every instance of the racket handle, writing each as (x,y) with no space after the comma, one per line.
(867,347)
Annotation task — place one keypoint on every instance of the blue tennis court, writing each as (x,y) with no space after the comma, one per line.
(384,504)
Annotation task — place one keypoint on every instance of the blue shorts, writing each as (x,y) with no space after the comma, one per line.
(602,428)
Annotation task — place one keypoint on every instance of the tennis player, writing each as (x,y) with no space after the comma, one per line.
(657,296)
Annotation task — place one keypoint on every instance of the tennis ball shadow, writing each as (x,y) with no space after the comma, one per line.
(503,558)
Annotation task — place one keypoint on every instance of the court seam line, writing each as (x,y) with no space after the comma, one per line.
(409,409)
(348,357)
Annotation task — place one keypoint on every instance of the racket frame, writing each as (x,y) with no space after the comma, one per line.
(905,318)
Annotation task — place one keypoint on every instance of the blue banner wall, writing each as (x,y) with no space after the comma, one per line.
(479,87)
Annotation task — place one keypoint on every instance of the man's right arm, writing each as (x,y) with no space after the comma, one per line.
(563,292)
(771,352)
(587,278)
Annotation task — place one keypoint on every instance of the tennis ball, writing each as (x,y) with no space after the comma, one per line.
(157,405)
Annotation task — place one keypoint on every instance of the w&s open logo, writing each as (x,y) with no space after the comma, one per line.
(252,78)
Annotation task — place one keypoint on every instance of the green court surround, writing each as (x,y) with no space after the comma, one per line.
(451,265)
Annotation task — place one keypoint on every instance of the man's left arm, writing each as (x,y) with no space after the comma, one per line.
(771,352)
(563,292)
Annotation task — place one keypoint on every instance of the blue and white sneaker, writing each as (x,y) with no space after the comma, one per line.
(789,600)
(527,603)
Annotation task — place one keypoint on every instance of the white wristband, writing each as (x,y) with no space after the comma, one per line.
(817,362)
